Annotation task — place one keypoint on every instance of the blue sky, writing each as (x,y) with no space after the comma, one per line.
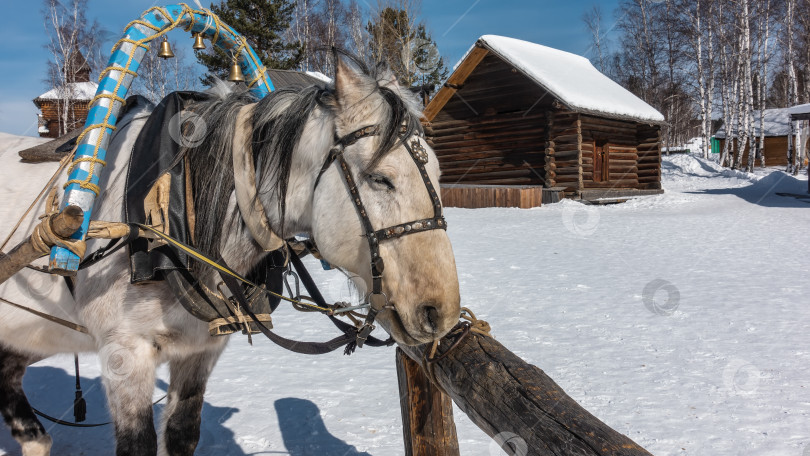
(455,25)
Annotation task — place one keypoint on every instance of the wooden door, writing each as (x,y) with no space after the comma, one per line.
(600,163)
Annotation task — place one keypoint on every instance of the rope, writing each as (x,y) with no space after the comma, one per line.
(57,320)
(83,160)
(477,326)
(471,324)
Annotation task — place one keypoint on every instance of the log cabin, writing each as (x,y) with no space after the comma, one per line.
(518,122)
(73,97)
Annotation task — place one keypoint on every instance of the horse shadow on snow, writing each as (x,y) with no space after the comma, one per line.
(51,390)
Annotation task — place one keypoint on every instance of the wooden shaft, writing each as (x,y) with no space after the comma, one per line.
(63,225)
(519,405)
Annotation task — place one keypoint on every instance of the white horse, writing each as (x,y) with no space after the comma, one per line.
(135,328)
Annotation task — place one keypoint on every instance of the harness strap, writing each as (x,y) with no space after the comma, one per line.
(304,348)
(244,173)
(316,295)
(113,246)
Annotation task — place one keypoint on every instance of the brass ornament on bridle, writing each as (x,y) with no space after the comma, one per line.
(418,150)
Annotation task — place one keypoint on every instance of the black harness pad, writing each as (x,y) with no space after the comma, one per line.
(157,151)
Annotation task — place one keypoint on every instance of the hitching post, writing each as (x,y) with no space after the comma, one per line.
(84,173)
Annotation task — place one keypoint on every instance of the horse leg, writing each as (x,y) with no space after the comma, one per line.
(128,373)
(181,417)
(25,427)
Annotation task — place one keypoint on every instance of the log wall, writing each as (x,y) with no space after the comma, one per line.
(477,196)
(50,113)
(649,157)
(564,150)
(502,149)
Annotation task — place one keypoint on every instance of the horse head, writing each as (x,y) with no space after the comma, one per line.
(396,175)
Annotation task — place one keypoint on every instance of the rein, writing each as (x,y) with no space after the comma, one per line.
(377,299)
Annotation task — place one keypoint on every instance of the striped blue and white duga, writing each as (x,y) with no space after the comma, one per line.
(112,91)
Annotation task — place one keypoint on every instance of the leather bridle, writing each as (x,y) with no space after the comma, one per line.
(377,299)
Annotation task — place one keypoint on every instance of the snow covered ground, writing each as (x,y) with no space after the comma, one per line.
(679,319)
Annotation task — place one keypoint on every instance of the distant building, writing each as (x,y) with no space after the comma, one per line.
(777,134)
(74,97)
(516,120)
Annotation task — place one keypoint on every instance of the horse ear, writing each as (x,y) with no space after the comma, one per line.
(351,85)
(390,79)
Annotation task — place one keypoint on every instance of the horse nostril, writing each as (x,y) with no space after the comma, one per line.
(432,315)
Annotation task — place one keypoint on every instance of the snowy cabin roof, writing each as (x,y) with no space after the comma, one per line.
(80,91)
(800,112)
(777,123)
(568,77)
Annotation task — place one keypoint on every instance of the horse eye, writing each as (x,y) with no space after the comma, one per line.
(379,179)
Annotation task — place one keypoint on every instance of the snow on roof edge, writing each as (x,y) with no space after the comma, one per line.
(81,91)
(799,109)
(651,116)
(503,47)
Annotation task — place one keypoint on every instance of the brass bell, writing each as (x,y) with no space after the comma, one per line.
(236,73)
(165,51)
(199,44)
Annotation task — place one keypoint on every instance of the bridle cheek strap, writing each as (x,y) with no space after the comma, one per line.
(377,299)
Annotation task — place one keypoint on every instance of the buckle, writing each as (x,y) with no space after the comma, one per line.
(378,303)
(363,334)
(285,277)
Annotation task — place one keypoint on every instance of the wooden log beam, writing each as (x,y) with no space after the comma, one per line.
(518,404)
(427,414)
(458,78)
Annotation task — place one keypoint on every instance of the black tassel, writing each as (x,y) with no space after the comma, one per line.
(79,404)
(350,348)
(79,407)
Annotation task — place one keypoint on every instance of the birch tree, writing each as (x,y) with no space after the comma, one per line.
(593,24)
(762,67)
